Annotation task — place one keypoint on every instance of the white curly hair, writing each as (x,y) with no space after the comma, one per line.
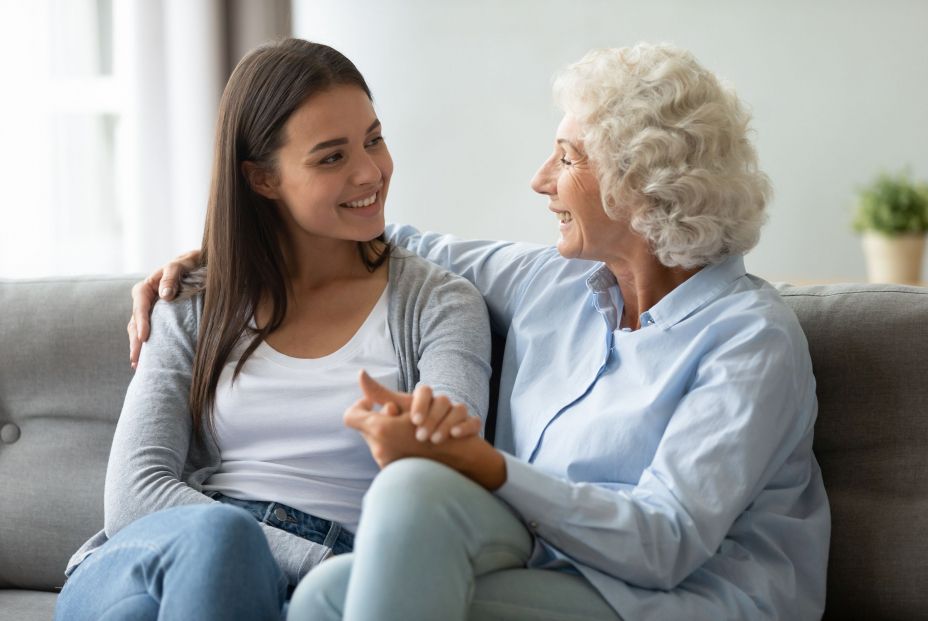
(670,146)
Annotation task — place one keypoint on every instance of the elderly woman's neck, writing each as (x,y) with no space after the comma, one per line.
(644,281)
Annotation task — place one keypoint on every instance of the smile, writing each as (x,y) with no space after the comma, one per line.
(565,217)
(364,202)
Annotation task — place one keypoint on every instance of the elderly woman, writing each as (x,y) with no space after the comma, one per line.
(653,453)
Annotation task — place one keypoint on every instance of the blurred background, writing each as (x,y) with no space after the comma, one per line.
(108,109)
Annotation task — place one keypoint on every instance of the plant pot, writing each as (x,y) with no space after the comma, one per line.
(896,258)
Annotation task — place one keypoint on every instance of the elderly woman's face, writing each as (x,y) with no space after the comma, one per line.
(568,178)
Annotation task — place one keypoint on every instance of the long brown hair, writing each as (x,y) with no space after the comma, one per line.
(241,250)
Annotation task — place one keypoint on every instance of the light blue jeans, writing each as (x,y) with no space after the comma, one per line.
(433,544)
(208,562)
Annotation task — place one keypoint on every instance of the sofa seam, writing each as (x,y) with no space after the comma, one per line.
(809,294)
(65,280)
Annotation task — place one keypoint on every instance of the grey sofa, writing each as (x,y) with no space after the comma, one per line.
(64,370)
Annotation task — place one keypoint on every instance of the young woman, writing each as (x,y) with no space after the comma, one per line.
(231,473)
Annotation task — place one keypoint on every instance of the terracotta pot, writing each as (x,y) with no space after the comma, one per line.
(896,259)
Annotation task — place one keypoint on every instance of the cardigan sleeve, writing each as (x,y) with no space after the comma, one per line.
(454,343)
(151,445)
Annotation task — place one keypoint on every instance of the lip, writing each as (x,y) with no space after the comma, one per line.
(560,225)
(362,197)
(373,210)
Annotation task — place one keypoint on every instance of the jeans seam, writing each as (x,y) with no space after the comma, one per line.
(110,549)
(508,548)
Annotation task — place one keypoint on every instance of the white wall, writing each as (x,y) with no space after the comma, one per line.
(839,90)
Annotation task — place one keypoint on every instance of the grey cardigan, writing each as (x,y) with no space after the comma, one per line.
(441,334)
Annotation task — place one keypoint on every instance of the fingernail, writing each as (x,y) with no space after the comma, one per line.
(418,418)
(436,437)
(166,291)
(422,434)
(455,431)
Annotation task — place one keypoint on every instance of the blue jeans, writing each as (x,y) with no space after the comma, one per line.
(433,544)
(295,522)
(209,561)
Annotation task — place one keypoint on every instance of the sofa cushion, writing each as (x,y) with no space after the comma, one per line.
(869,346)
(16,605)
(64,372)
(63,375)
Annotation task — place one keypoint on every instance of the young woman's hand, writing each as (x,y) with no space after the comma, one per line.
(162,282)
(391,435)
(436,418)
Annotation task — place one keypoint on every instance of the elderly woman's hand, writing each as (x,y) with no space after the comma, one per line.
(391,435)
(162,282)
(435,417)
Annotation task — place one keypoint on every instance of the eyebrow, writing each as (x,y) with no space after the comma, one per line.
(335,142)
(570,144)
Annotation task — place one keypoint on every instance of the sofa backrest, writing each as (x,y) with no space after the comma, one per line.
(869,346)
(64,369)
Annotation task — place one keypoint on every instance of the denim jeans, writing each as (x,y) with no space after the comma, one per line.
(208,561)
(294,521)
(432,544)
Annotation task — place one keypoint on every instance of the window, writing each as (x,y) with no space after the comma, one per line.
(60,122)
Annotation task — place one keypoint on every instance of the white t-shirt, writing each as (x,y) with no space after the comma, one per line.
(280,431)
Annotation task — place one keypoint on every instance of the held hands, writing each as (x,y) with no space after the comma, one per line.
(392,435)
(435,417)
(162,282)
(407,425)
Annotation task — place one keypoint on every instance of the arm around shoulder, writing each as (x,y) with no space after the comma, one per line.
(500,270)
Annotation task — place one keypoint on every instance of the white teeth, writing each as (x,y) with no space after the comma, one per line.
(564,216)
(362,203)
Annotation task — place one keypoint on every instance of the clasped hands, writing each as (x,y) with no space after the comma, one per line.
(417,424)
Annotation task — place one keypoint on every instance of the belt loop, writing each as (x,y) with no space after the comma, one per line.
(268,513)
(331,537)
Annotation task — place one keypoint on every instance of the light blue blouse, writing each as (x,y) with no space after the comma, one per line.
(672,466)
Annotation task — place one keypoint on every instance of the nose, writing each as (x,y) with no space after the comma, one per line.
(545,181)
(366,171)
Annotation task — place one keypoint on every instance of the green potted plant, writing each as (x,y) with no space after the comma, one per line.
(892,216)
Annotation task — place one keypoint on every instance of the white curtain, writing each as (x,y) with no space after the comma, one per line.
(108,119)
(178,55)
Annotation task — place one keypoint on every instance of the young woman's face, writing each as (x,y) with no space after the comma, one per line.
(334,168)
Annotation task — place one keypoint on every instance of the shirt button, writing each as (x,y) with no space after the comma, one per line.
(9,433)
(533,525)
(281,514)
